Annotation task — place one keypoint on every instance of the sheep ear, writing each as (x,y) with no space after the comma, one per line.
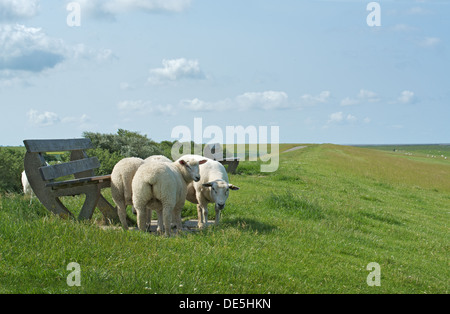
(233,187)
(202,162)
(208,185)
(182,162)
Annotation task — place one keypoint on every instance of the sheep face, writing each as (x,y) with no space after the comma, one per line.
(191,168)
(220,191)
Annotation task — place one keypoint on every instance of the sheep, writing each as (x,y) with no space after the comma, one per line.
(213,187)
(121,192)
(121,179)
(163,186)
(27,190)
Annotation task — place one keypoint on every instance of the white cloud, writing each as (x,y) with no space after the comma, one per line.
(176,69)
(11,10)
(198,105)
(310,100)
(406,97)
(110,8)
(403,28)
(341,118)
(430,42)
(351,118)
(364,96)
(43,119)
(29,49)
(81,51)
(269,100)
(48,118)
(126,86)
(417,11)
(336,117)
(349,101)
(143,107)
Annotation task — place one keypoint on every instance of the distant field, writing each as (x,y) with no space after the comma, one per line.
(438,151)
(311,227)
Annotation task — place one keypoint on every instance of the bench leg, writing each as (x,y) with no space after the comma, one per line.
(54,205)
(89,204)
(32,163)
(109,212)
(232,167)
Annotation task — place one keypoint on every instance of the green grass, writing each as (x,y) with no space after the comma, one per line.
(311,227)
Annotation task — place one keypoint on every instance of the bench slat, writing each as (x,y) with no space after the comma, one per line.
(41,146)
(78,182)
(56,171)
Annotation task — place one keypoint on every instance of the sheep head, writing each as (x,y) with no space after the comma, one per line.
(190,169)
(220,190)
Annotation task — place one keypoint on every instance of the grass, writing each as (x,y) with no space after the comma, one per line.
(311,227)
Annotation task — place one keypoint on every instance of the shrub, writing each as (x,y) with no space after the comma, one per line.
(11,167)
(125,143)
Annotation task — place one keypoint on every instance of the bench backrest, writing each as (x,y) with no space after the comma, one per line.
(79,164)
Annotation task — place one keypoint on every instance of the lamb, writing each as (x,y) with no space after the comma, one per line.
(213,187)
(121,180)
(164,186)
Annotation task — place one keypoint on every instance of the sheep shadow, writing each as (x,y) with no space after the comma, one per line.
(250,225)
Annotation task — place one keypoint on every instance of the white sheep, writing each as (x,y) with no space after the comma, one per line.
(213,187)
(121,180)
(163,186)
(121,192)
(27,190)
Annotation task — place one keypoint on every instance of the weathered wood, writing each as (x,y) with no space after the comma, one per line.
(44,194)
(90,203)
(81,166)
(108,211)
(78,182)
(232,164)
(69,168)
(41,146)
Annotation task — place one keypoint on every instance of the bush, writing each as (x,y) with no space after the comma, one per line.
(11,167)
(111,148)
(107,160)
(125,143)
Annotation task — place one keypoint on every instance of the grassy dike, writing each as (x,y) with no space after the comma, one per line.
(311,227)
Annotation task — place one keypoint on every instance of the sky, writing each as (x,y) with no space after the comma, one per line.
(315,69)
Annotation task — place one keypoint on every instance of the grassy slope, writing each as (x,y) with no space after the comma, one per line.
(311,227)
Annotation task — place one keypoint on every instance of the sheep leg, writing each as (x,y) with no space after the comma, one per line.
(202,211)
(177,218)
(122,212)
(200,216)
(141,218)
(167,218)
(218,214)
(149,218)
(160,228)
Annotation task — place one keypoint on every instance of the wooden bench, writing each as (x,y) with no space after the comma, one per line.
(43,178)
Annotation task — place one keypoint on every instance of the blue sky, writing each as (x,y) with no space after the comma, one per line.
(313,68)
